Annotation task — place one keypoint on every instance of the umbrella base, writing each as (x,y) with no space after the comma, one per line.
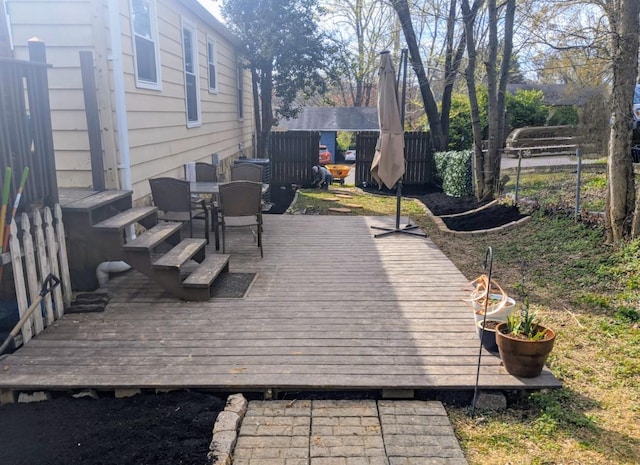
(409,229)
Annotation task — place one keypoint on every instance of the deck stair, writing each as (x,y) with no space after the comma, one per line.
(101,222)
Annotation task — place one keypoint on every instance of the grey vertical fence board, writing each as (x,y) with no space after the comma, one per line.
(31,271)
(418,156)
(25,130)
(21,289)
(43,262)
(63,260)
(293,153)
(52,252)
(93,119)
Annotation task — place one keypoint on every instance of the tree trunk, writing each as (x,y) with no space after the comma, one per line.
(266,90)
(621,200)
(256,109)
(430,105)
(469,18)
(487,165)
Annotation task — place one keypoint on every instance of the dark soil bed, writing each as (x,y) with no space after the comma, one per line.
(280,197)
(487,218)
(440,203)
(171,428)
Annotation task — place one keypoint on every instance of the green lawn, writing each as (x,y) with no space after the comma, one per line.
(587,290)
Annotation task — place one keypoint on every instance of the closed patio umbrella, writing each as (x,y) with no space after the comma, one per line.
(388,161)
(387,167)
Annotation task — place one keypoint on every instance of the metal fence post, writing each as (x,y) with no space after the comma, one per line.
(579,173)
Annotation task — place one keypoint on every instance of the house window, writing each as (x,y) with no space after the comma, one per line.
(211,60)
(145,44)
(192,89)
(240,76)
(6,39)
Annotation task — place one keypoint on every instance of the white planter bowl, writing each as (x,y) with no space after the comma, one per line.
(498,312)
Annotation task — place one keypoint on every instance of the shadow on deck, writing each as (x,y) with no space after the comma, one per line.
(331,308)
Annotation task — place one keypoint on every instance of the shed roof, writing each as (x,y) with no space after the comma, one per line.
(334,119)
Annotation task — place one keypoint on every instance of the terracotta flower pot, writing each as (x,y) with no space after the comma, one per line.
(522,357)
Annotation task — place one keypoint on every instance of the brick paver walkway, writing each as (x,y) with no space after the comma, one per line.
(347,432)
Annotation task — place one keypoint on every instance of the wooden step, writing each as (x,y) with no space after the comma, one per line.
(122,220)
(97,200)
(180,254)
(85,212)
(208,271)
(152,237)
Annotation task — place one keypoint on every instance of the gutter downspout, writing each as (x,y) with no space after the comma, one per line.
(122,128)
(122,123)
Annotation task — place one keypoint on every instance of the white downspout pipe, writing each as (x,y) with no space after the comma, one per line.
(122,128)
(122,125)
(104,268)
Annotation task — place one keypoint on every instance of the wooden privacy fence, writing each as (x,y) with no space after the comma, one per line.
(292,155)
(25,127)
(418,156)
(41,251)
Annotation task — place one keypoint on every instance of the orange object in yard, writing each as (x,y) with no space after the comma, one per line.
(339,172)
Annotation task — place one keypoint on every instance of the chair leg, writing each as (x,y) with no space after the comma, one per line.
(260,240)
(223,244)
(215,225)
(206,227)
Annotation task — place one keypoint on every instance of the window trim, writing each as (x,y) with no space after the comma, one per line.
(187,26)
(212,42)
(153,20)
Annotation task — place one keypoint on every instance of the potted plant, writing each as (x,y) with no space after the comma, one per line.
(523,343)
(488,334)
(488,297)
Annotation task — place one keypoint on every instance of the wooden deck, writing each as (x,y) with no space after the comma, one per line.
(331,308)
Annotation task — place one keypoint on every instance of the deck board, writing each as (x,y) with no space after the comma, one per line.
(331,308)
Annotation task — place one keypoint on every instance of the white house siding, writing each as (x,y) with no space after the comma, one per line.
(160,141)
(66,28)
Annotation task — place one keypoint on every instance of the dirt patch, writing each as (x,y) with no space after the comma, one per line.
(149,429)
(440,203)
(280,198)
(487,218)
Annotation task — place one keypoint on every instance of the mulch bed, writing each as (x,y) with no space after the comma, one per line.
(281,198)
(487,218)
(440,203)
(494,216)
(148,429)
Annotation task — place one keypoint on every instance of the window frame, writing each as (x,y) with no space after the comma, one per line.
(142,83)
(212,44)
(193,30)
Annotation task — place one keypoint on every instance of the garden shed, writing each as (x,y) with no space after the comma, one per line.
(329,120)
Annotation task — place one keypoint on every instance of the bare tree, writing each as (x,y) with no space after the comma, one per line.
(363,29)
(624,19)
(497,64)
(454,51)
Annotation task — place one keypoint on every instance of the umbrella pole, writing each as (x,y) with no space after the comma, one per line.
(409,228)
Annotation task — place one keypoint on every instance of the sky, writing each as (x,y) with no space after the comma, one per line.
(213,6)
